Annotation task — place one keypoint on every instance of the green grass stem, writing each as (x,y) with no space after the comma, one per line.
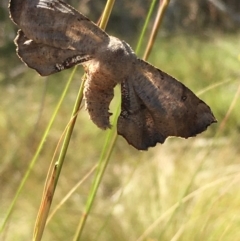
(158,21)
(150,12)
(106,152)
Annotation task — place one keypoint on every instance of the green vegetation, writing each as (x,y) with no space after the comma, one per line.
(182,190)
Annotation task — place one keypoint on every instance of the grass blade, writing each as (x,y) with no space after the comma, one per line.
(150,12)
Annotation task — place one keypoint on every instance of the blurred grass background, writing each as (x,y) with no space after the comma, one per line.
(182,190)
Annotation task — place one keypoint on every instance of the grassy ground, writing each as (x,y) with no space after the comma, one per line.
(182,190)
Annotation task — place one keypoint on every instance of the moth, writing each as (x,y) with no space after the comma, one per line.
(53,36)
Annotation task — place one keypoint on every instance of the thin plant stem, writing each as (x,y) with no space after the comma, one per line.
(106,14)
(213,86)
(230,109)
(106,152)
(72,191)
(139,44)
(36,155)
(162,8)
(102,164)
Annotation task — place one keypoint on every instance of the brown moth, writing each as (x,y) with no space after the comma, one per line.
(54,36)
